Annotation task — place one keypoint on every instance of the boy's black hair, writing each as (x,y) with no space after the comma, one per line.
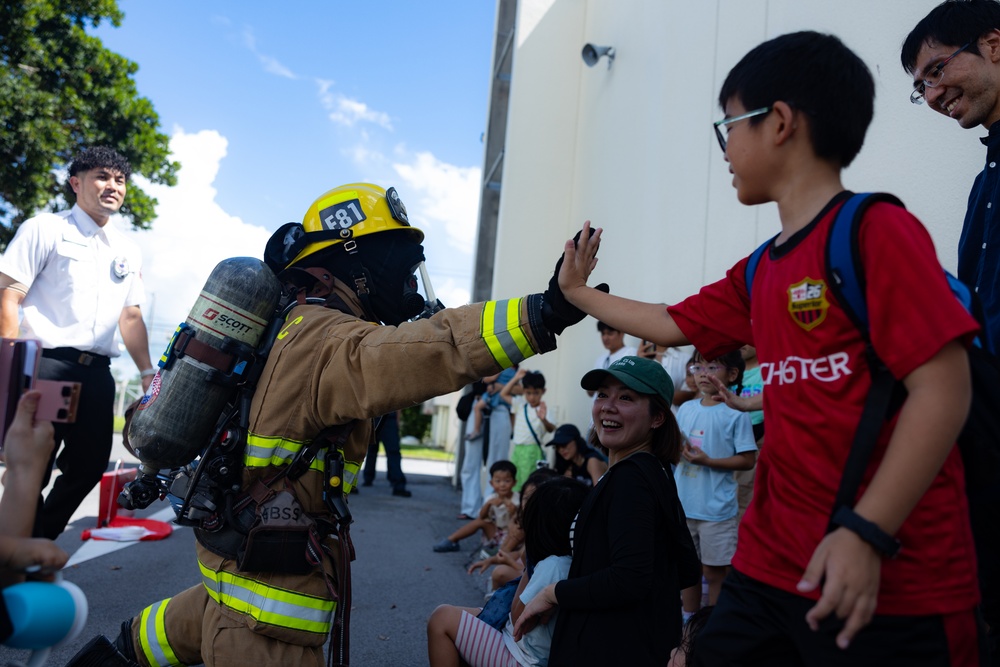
(100,156)
(548,515)
(951,23)
(730,360)
(602,327)
(533,380)
(817,75)
(506,466)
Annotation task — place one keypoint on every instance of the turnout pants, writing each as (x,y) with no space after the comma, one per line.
(190,628)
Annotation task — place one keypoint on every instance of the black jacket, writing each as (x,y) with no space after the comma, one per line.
(632,554)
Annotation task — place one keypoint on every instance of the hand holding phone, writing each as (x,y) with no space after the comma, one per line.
(19,359)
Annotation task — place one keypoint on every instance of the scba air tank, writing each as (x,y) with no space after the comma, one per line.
(203,364)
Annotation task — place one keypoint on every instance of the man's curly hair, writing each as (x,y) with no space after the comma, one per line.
(100,156)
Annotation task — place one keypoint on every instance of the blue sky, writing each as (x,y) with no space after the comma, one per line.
(269,105)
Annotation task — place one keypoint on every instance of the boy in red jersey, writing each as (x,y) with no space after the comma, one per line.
(797,108)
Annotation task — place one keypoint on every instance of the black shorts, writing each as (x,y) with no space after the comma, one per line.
(755,624)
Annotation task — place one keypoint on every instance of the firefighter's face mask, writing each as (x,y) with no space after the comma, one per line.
(398,294)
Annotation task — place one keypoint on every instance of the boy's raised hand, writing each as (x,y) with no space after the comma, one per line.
(849,569)
(579,259)
(557,312)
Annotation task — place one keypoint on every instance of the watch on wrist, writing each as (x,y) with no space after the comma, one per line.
(881,541)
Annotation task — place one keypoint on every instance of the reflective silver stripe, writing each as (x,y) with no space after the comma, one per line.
(154,637)
(504,328)
(263,451)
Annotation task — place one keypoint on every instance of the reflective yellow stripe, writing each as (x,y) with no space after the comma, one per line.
(503,333)
(263,451)
(153,636)
(268,604)
(351,472)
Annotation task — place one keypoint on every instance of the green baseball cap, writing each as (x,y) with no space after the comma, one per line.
(642,375)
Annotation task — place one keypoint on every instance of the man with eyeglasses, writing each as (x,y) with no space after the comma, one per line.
(953,54)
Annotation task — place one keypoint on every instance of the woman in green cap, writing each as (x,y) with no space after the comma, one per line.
(632,553)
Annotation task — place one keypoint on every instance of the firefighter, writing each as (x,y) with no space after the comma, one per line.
(273,599)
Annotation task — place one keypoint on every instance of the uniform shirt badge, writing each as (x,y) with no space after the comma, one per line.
(807,303)
(120,266)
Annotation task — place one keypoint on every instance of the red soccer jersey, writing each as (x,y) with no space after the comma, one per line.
(816,379)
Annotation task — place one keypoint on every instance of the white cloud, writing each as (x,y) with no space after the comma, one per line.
(348,112)
(190,235)
(445,194)
(271,64)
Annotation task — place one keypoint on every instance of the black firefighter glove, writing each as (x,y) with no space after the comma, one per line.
(556,312)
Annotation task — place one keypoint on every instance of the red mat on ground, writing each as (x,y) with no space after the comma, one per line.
(156,530)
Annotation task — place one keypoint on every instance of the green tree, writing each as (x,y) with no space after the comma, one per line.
(60,91)
(414,422)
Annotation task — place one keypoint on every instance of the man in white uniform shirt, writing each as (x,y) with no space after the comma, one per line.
(76,278)
(614,346)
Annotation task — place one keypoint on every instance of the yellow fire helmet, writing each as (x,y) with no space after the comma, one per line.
(339,216)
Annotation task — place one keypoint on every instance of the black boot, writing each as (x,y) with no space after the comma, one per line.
(100,652)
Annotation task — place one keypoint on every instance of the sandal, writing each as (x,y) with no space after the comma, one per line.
(464,517)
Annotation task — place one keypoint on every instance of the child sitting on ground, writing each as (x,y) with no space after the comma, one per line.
(719,441)
(530,423)
(495,514)
(455,634)
(509,559)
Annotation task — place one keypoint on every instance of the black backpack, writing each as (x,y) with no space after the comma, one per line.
(979,441)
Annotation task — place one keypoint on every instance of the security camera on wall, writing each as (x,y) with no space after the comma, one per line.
(591,54)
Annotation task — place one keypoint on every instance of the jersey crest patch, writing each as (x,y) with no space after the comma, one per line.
(807,303)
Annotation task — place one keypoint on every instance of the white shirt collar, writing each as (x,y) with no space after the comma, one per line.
(88,227)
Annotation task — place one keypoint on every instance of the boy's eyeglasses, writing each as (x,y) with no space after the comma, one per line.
(726,122)
(933,77)
(698,369)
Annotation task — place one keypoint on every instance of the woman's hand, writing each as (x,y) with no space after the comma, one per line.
(539,610)
(29,442)
(38,556)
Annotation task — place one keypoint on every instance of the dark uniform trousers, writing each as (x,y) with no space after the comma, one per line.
(85,444)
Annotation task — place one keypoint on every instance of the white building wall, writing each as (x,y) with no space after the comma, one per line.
(632,148)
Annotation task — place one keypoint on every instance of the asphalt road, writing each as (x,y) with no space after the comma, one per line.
(398,580)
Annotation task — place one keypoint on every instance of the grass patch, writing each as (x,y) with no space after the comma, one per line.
(429,453)
(119,424)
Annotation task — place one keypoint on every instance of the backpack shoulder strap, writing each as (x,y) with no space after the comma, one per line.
(845,275)
(844,271)
(753,262)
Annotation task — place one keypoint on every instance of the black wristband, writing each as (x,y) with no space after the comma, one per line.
(881,541)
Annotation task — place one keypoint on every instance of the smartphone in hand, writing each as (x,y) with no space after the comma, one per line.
(19,359)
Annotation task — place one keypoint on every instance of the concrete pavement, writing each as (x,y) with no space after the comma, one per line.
(398,580)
